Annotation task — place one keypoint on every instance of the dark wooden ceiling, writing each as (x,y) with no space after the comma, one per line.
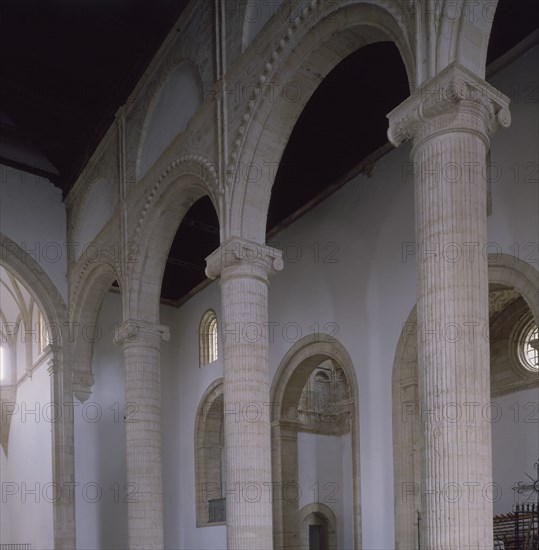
(66,66)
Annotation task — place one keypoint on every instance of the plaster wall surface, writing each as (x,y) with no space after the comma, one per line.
(26,472)
(100,470)
(33,215)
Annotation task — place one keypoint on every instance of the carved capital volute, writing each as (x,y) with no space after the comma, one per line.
(135,332)
(240,257)
(454,91)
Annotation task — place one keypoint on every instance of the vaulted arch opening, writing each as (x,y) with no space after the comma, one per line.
(179,227)
(196,238)
(315,444)
(340,133)
(324,39)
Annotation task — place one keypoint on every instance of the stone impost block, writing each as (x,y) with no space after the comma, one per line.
(452,89)
(238,257)
(135,332)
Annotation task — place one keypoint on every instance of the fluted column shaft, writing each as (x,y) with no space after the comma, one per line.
(450,119)
(244,268)
(141,346)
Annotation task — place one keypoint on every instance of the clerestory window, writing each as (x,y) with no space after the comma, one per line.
(208,338)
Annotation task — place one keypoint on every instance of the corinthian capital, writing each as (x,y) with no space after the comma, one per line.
(455,90)
(133,331)
(249,256)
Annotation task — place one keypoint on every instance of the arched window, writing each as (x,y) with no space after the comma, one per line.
(529,347)
(208,338)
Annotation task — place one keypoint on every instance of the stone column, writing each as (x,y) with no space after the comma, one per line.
(141,342)
(450,119)
(63,451)
(244,268)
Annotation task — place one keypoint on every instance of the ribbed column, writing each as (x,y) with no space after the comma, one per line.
(450,118)
(244,268)
(141,343)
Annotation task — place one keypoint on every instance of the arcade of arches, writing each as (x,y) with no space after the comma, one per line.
(342,366)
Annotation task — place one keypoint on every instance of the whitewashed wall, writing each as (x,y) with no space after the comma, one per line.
(100,468)
(184,384)
(26,473)
(325,473)
(514,224)
(33,215)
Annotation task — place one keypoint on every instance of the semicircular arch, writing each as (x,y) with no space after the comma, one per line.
(290,378)
(324,39)
(185,181)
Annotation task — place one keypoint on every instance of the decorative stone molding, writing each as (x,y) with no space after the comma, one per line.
(191,164)
(257,94)
(240,253)
(82,383)
(107,259)
(140,332)
(453,89)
